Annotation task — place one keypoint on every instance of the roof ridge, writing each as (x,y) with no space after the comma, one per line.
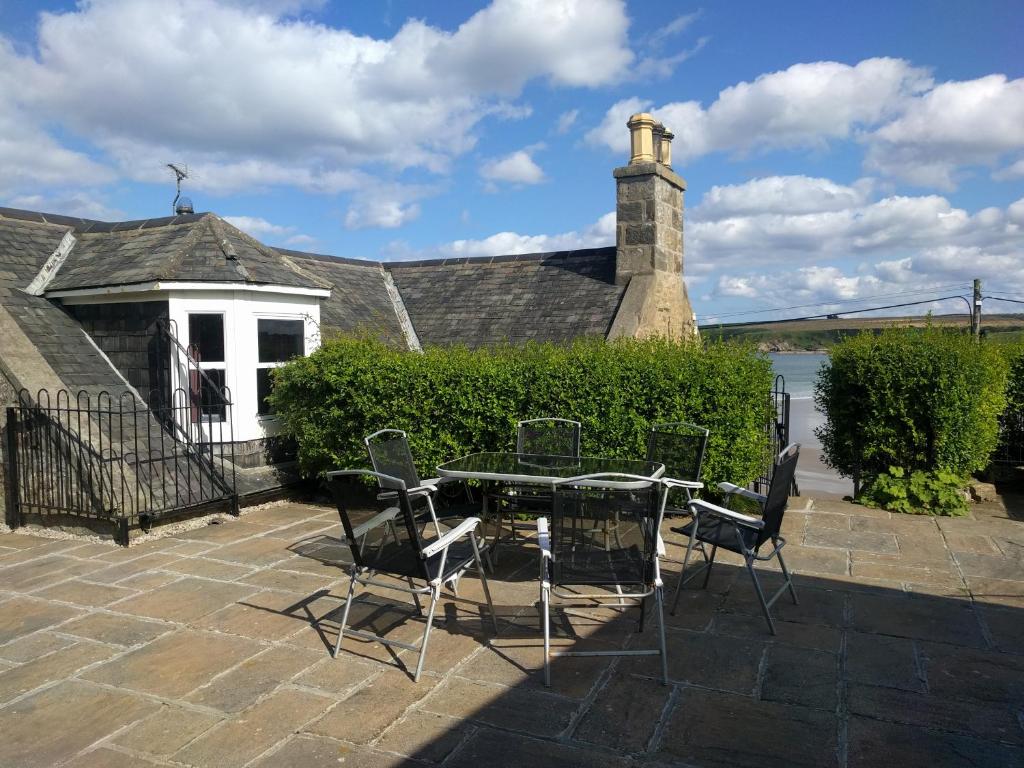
(95,226)
(541,256)
(273,253)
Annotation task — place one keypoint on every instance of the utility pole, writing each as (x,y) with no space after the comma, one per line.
(976,311)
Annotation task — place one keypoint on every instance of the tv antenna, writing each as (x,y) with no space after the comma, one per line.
(180,172)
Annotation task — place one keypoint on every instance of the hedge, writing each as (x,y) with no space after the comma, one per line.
(453,401)
(911,399)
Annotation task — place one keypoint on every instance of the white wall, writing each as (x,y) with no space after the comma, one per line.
(241,310)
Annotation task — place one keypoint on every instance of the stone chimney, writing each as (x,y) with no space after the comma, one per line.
(649,237)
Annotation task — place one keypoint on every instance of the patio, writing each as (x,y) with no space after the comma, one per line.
(199,650)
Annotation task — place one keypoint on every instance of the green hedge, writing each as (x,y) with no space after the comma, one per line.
(915,399)
(453,401)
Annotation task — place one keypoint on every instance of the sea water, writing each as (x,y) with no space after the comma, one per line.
(800,372)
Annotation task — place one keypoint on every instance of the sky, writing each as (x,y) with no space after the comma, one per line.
(837,155)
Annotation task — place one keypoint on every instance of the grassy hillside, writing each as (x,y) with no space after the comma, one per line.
(817,335)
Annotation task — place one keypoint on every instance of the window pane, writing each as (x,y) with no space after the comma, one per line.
(280,340)
(206,337)
(262,390)
(211,399)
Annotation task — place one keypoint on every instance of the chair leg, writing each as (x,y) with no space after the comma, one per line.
(682,576)
(344,614)
(483,582)
(643,606)
(711,562)
(760,594)
(786,574)
(659,601)
(545,599)
(415,596)
(435,594)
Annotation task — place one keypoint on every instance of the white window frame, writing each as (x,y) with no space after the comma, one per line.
(302,318)
(221,365)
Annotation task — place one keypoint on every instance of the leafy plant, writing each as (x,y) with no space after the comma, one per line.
(937,493)
(453,401)
(917,399)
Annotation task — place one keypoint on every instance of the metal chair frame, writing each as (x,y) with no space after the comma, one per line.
(740,523)
(415,487)
(515,493)
(548,589)
(363,575)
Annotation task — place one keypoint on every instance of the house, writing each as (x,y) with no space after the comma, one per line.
(172,324)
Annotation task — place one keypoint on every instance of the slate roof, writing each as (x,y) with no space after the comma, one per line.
(359,300)
(485,301)
(25,245)
(195,248)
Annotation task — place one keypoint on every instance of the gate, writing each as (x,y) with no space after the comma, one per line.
(778,435)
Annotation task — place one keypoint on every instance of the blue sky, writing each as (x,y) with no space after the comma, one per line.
(835,153)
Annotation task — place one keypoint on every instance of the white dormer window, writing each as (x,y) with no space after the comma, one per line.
(278,341)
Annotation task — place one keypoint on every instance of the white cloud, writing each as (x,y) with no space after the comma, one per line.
(974,122)
(566,120)
(805,105)
(252,97)
(84,204)
(516,167)
(258,227)
(819,242)
(813,220)
(1011,172)
(601,233)
(912,129)
(370,213)
(268,232)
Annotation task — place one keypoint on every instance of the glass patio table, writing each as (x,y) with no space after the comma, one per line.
(542,470)
(532,469)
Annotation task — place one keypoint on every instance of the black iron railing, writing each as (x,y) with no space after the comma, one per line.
(113,458)
(1010,450)
(778,434)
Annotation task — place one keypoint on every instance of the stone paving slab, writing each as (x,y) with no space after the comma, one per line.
(212,648)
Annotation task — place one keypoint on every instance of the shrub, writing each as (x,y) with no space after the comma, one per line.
(938,492)
(453,401)
(914,399)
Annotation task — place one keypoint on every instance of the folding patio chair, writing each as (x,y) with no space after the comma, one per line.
(385,540)
(743,534)
(390,455)
(570,558)
(538,437)
(680,446)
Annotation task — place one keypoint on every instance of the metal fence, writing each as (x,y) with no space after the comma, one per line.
(1010,450)
(778,435)
(114,458)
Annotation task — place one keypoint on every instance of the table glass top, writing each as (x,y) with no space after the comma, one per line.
(543,468)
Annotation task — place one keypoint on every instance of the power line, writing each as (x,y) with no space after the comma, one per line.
(1003,298)
(844,301)
(829,315)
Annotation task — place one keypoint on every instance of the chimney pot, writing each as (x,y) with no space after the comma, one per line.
(665,148)
(641,138)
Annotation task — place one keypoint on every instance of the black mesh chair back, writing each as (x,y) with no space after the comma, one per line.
(382,534)
(778,493)
(680,447)
(551,437)
(390,455)
(605,536)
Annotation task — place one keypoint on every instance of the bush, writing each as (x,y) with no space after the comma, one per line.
(453,401)
(938,492)
(914,399)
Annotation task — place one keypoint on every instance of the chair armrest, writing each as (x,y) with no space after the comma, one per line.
(671,482)
(699,507)
(466,526)
(735,490)
(543,538)
(377,520)
(419,490)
